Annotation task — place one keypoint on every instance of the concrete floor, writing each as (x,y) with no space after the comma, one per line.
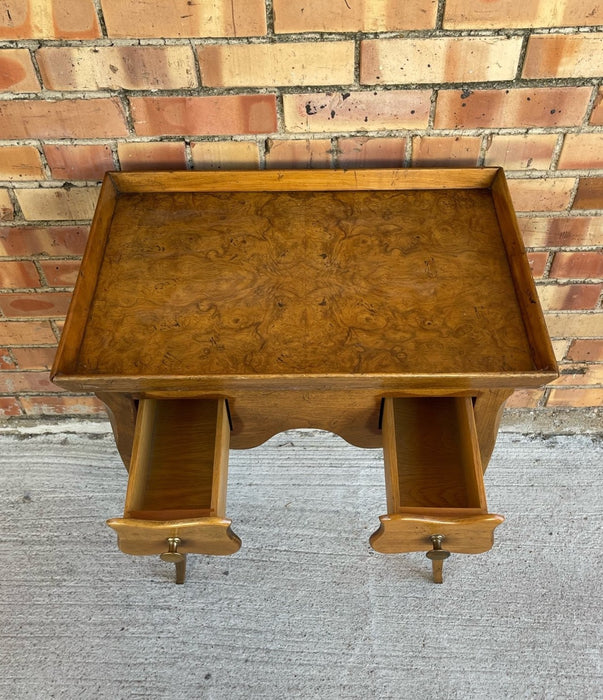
(306,609)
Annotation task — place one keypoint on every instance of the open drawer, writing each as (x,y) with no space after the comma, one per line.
(434,479)
(176,496)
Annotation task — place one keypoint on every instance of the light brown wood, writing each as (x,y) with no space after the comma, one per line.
(488,409)
(122,410)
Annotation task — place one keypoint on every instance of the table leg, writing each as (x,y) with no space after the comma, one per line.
(122,410)
(488,409)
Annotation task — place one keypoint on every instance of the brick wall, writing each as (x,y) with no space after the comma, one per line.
(93,85)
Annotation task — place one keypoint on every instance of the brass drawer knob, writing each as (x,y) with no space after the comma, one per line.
(437,556)
(176,557)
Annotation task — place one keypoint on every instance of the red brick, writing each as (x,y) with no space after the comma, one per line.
(34,358)
(16,382)
(569,296)
(26,333)
(440,60)
(152,156)
(58,203)
(9,407)
(306,153)
(505,14)
(293,16)
(96,118)
(520,151)
(6,360)
(445,151)
(572,231)
(367,152)
(117,67)
(538,263)
(522,107)
(552,194)
(61,273)
(357,111)
(564,56)
(578,265)
(225,114)
(48,305)
(579,375)
(18,275)
(525,398)
(20,163)
(80,162)
(48,19)
(6,206)
(575,397)
(225,155)
(271,65)
(589,194)
(43,240)
(596,118)
(581,151)
(586,351)
(16,71)
(62,405)
(184,18)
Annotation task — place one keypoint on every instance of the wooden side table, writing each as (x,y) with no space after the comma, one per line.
(393,307)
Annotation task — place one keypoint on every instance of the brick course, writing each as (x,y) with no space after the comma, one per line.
(88,86)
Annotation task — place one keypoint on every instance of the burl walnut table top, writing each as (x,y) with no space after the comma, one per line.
(204,281)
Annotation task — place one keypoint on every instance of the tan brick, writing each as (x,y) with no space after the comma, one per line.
(48,19)
(225,155)
(579,375)
(60,273)
(26,333)
(574,325)
(454,60)
(58,204)
(293,16)
(525,398)
(578,265)
(16,382)
(522,107)
(18,275)
(586,351)
(560,348)
(9,406)
(571,297)
(34,358)
(152,156)
(596,118)
(540,232)
(443,151)
(16,71)
(6,359)
(301,153)
(270,65)
(20,163)
(538,263)
(357,111)
(79,162)
(506,14)
(520,151)
(578,398)
(44,305)
(552,194)
(581,151)
(183,18)
(113,67)
(564,56)
(368,152)
(43,240)
(224,114)
(62,405)
(589,194)
(96,118)
(6,206)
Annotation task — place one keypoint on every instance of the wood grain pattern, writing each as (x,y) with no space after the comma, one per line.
(488,409)
(122,410)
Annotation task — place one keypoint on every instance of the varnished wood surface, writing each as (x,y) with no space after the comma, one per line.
(301,283)
(122,411)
